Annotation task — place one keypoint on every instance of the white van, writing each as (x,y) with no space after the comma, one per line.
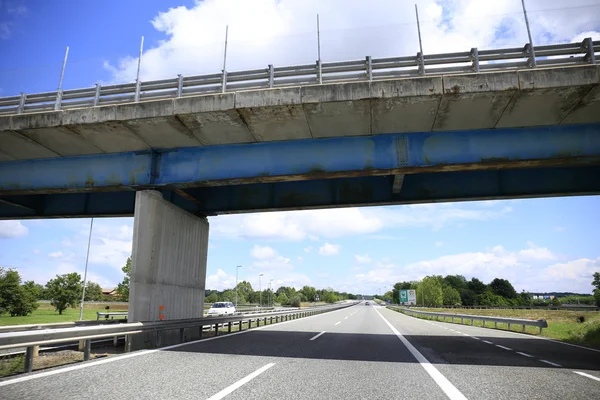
(221,308)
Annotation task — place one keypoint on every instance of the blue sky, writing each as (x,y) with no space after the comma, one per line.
(539,244)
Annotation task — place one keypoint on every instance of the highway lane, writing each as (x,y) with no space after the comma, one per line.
(354,353)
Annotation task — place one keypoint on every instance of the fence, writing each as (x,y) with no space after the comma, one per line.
(540,323)
(36,337)
(368,69)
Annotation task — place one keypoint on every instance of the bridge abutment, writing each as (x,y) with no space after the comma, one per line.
(168,269)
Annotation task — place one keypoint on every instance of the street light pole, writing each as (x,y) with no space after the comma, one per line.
(259,291)
(236,284)
(87,257)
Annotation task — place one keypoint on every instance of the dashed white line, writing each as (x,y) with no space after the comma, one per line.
(475,337)
(346,318)
(587,375)
(487,341)
(337,323)
(525,354)
(317,335)
(551,363)
(504,347)
(451,391)
(240,383)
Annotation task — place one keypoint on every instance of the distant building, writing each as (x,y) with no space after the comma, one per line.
(110,292)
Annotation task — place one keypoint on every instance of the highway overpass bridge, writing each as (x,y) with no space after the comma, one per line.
(475,125)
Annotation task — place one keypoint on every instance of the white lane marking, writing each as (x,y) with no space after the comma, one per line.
(337,323)
(317,335)
(587,375)
(143,352)
(475,337)
(524,354)
(240,383)
(346,318)
(488,342)
(451,391)
(551,363)
(504,347)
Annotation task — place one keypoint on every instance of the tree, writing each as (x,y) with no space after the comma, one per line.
(451,296)
(525,299)
(35,289)
(123,287)
(489,298)
(504,288)
(282,299)
(458,282)
(596,283)
(93,292)
(212,298)
(431,291)
(309,293)
(476,286)
(468,297)
(16,299)
(65,290)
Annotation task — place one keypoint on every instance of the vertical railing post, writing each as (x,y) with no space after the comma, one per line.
(29,359)
(531,50)
(179,85)
(475,59)
(22,101)
(420,58)
(97,95)
(87,347)
(588,46)
(138,83)
(369,68)
(271,76)
(59,93)
(319,72)
(224,82)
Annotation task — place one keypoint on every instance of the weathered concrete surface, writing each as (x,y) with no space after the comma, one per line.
(168,271)
(567,95)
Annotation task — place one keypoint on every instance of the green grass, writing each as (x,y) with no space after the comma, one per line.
(45,314)
(562,324)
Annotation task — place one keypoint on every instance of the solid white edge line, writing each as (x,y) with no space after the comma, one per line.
(317,335)
(91,363)
(524,354)
(451,391)
(240,383)
(504,347)
(587,375)
(551,363)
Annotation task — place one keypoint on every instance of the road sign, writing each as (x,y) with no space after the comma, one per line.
(403,296)
(412,296)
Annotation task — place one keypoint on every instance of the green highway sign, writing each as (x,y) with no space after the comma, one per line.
(403,296)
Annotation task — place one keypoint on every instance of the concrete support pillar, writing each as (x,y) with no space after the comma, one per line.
(168,269)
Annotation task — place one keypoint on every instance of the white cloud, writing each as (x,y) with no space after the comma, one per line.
(12,229)
(308,249)
(577,273)
(364,259)
(329,249)
(282,32)
(336,223)
(220,281)
(56,254)
(439,244)
(268,259)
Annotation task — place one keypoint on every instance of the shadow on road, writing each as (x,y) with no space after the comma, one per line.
(437,349)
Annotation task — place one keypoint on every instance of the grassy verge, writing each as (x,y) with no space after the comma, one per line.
(563,325)
(45,314)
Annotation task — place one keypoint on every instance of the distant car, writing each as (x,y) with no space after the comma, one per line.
(221,308)
(367,303)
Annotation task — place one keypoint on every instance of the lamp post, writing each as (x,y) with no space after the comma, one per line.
(236,283)
(259,291)
(87,257)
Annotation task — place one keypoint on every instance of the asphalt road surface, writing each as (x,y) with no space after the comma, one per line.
(360,352)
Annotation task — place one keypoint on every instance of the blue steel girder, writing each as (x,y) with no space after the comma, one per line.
(307,160)
(323,193)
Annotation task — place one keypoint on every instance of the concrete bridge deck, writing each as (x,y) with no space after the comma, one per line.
(518,98)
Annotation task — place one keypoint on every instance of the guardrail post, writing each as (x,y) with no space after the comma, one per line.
(475,58)
(319,72)
(22,101)
(29,359)
(509,326)
(271,76)
(540,330)
(369,68)
(87,347)
(229,327)
(530,55)
(97,99)
(421,63)
(240,323)
(216,329)
(495,325)
(179,85)
(523,327)
(115,341)
(483,323)
(224,82)
(588,46)
(181,335)
(472,322)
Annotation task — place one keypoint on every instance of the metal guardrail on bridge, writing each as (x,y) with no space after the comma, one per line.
(309,74)
(32,338)
(540,323)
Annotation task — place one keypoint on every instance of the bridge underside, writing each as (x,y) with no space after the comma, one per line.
(320,173)
(322,193)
